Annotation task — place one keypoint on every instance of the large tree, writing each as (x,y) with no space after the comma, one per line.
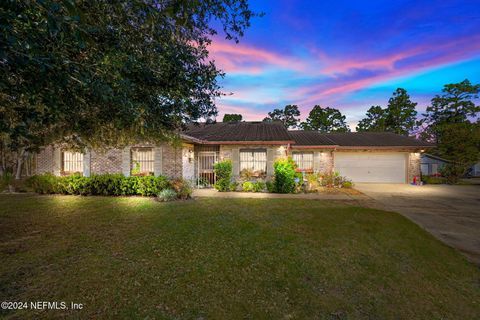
(103,73)
(374,121)
(325,120)
(398,117)
(289,116)
(400,113)
(452,123)
(232,117)
(456,104)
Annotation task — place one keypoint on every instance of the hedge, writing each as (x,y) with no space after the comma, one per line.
(105,185)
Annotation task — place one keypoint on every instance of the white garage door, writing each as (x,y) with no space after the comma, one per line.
(372,166)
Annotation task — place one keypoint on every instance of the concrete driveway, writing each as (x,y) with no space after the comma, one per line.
(450,213)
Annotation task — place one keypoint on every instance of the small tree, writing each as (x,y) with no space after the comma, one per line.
(374,121)
(289,116)
(223,172)
(232,117)
(325,120)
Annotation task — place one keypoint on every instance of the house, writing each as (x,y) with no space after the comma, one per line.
(253,147)
(431,165)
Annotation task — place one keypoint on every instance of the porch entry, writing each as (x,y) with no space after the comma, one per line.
(206,157)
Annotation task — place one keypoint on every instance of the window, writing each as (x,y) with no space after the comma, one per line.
(434,168)
(142,161)
(304,160)
(254,160)
(72,162)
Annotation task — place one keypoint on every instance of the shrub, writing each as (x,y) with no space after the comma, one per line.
(223,172)
(105,185)
(74,184)
(452,172)
(285,174)
(270,186)
(233,186)
(434,180)
(43,184)
(167,195)
(247,186)
(6,180)
(151,185)
(347,184)
(182,187)
(259,186)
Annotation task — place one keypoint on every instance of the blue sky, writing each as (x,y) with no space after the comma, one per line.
(347,54)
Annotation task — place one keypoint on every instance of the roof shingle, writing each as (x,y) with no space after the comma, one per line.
(239,131)
(355,139)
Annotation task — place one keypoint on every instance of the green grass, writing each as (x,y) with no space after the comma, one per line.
(127,258)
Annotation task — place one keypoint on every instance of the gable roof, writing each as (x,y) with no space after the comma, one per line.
(258,132)
(239,132)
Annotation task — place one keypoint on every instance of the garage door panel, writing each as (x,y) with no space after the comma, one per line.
(372,167)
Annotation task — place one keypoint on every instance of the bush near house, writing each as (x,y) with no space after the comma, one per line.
(223,172)
(105,185)
(434,180)
(284,175)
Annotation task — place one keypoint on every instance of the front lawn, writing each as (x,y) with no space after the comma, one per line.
(226,259)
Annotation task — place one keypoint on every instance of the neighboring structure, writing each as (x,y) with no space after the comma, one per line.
(475,171)
(432,165)
(252,147)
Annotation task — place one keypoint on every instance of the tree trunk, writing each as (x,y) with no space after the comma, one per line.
(20,153)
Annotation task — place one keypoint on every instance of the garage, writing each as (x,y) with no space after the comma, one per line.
(388,167)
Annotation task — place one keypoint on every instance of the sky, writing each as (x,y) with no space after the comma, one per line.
(349,55)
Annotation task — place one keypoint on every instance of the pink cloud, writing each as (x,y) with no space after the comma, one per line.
(337,86)
(239,58)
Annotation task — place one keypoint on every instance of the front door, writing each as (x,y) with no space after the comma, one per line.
(205,162)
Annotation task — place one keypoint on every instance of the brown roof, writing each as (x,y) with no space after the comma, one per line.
(310,138)
(355,139)
(239,132)
(274,132)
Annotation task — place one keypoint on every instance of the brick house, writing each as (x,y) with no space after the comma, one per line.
(252,146)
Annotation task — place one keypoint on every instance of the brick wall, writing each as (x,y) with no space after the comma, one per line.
(413,166)
(45,160)
(172,161)
(110,161)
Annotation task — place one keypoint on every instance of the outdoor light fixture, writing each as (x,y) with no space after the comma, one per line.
(281,149)
(190,155)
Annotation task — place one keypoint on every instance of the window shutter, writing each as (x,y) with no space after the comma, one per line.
(316,161)
(236,161)
(126,161)
(57,161)
(157,165)
(86,164)
(270,160)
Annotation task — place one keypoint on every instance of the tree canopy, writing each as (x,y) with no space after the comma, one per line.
(456,104)
(232,117)
(452,122)
(401,114)
(375,120)
(398,117)
(102,73)
(289,116)
(325,120)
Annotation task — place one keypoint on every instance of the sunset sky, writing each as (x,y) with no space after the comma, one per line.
(347,54)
